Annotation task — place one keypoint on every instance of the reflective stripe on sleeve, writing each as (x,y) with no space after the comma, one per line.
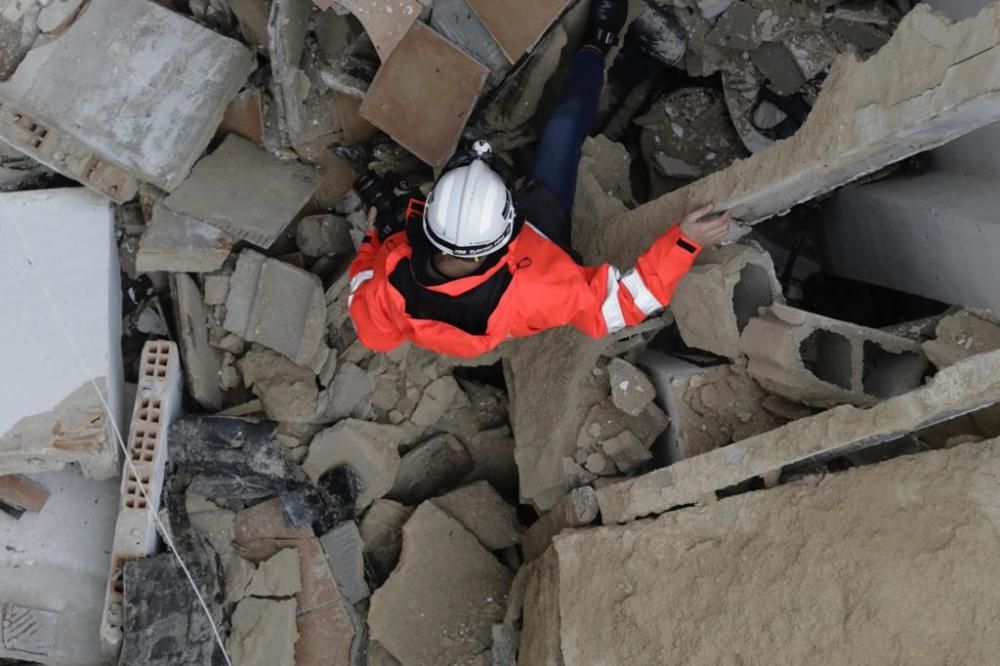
(643,297)
(356,283)
(612,309)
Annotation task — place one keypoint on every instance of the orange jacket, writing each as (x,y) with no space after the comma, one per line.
(547,288)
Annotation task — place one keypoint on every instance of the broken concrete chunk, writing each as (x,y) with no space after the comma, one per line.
(202,362)
(278,305)
(436,400)
(960,336)
(962,388)
(58,14)
(161,132)
(424,93)
(439,605)
(736,28)
(576,509)
(848,533)
(481,510)
(726,288)
(430,469)
(824,362)
(263,633)
(322,235)
(597,464)
(351,386)
(344,550)
(605,421)
(382,533)
(287,391)
(277,576)
(492,453)
(779,66)
(626,451)
(243,190)
(18,32)
(631,390)
(369,450)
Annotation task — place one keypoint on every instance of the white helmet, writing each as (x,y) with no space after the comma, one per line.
(469,212)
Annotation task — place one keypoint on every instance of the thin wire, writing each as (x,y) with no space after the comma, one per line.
(118,436)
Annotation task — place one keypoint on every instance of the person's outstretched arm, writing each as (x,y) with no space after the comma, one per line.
(367,302)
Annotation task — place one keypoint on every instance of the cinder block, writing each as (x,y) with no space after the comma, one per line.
(157,406)
(724,290)
(825,362)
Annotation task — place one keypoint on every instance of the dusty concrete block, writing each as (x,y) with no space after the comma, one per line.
(519,24)
(631,390)
(492,453)
(919,235)
(369,450)
(430,469)
(481,510)
(626,451)
(439,605)
(960,336)
(287,391)
(243,190)
(277,576)
(605,421)
(344,548)
(867,116)
(73,84)
(202,362)
(577,509)
(216,289)
(278,305)
(965,387)
(19,493)
(424,93)
(725,289)
(322,235)
(435,401)
(382,532)
(846,541)
(60,247)
(824,362)
(181,244)
(263,633)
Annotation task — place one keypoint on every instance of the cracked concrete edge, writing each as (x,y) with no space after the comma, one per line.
(962,388)
(934,81)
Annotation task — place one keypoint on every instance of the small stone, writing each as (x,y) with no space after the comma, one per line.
(216,289)
(232,343)
(396,417)
(574,475)
(598,464)
(263,633)
(631,390)
(626,451)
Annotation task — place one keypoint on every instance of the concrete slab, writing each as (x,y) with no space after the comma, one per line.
(424,93)
(935,235)
(164,79)
(962,388)
(242,189)
(857,567)
(57,562)
(869,114)
(179,243)
(517,25)
(52,415)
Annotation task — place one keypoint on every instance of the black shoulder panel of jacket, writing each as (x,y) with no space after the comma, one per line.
(469,312)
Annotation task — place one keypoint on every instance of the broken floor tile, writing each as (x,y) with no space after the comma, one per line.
(481,510)
(460,25)
(385,22)
(263,633)
(21,493)
(187,73)
(432,468)
(517,25)
(423,94)
(245,191)
(439,605)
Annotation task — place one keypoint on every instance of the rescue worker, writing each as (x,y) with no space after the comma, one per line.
(477,265)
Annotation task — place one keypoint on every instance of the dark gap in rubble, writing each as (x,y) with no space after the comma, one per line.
(887,373)
(340,488)
(748,486)
(828,356)
(490,375)
(752,292)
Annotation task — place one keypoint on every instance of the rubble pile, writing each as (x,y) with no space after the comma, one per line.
(286,496)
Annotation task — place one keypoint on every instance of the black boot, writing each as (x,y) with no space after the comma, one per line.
(607,18)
